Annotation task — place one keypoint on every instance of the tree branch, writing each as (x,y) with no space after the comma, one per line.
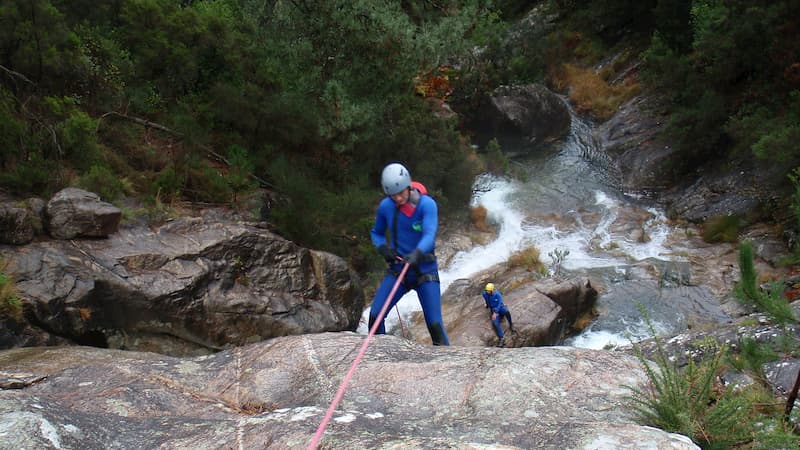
(15,74)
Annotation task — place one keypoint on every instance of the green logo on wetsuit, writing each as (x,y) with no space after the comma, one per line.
(417,226)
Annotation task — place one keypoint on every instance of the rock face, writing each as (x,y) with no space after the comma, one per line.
(524,116)
(188,287)
(274,395)
(20,222)
(73,212)
(645,161)
(631,139)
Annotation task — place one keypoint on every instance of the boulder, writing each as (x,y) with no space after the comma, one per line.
(541,311)
(73,212)
(18,224)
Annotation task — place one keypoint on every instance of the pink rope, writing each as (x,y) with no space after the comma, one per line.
(346,380)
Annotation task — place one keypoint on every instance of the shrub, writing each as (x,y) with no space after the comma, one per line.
(496,160)
(722,229)
(168,185)
(10,304)
(590,93)
(102,181)
(688,402)
(528,259)
(747,291)
(478,216)
(238,175)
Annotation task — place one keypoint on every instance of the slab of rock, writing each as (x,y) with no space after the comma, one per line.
(274,395)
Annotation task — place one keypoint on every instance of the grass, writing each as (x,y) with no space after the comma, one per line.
(590,93)
(691,401)
(529,260)
(10,303)
(478,216)
(722,229)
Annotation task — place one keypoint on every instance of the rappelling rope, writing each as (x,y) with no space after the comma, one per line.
(346,380)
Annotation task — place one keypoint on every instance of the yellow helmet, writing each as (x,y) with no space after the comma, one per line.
(489,287)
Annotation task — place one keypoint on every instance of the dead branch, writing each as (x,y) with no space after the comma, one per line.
(15,74)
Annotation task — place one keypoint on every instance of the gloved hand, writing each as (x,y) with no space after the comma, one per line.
(413,258)
(389,254)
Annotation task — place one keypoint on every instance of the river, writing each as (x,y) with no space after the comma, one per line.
(564,198)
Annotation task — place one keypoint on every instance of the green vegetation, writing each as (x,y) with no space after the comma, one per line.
(210,99)
(689,400)
(529,259)
(722,229)
(747,291)
(10,304)
(729,71)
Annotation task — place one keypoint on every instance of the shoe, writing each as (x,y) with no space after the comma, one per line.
(513,331)
(502,342)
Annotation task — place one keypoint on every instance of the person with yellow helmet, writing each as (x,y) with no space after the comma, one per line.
(494,302)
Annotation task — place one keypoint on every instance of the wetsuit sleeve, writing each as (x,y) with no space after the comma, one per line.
(430,223)
(497,300)
(378,232)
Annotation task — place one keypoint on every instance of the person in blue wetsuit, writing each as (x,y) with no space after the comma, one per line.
(411,218)
(494,301)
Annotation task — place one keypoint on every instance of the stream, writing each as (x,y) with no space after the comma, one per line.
(563,198)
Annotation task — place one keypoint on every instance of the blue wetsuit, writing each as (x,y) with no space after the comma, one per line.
(410,227)
(495,303)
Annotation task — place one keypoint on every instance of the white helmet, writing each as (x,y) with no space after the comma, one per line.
(395,178)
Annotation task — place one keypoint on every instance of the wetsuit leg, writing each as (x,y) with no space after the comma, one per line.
(507,315)
(380,297)
(498,327)
(430,299)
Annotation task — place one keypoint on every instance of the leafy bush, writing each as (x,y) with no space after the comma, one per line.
(748,282)
(168,185)
(102,181)
(496,160)
(76,132)
(35,176)
(752,356)
(238,174)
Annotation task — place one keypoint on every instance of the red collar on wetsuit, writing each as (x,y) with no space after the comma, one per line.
(410,206)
